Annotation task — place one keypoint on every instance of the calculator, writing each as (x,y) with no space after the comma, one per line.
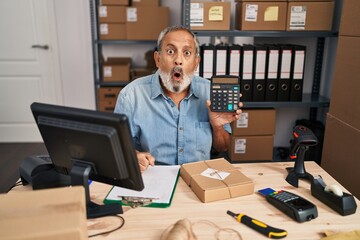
(224,93)
(293,205)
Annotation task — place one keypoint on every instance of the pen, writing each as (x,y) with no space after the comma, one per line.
(259,226)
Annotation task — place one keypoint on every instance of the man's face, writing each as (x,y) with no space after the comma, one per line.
(177,60)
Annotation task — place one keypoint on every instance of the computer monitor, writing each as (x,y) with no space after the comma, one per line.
(88,144)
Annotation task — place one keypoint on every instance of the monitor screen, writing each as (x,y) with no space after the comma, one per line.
(90,139)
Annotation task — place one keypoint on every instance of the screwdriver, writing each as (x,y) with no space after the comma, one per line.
(259,226)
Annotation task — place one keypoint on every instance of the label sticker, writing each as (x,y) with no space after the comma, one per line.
(131,14)
(298,17)
(251,12)
(216,13)
(215,174)
(243,121)
(240,146)
(196,15)
(107,71)
(103,11)
(104,29)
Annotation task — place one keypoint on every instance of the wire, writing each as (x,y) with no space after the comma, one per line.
(18,183)
(113,230)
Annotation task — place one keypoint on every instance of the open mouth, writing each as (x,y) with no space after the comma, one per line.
(177,73)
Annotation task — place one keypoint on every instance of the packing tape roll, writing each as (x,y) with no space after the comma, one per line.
(335,189)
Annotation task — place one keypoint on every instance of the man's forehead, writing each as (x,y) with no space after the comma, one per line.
(179,37)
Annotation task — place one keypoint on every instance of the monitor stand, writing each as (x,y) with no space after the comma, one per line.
(80,176)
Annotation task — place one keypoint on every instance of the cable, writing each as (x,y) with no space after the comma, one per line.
(18,183)
(113,230)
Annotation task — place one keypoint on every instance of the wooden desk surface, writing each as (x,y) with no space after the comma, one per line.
(149,223)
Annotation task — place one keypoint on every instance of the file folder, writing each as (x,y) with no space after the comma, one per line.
(247,72)
(284,72)
(259,74)
(234,59)
(207,61)
(272,77)
(297,79)
(220,59)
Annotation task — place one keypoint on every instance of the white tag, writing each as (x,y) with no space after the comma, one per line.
(108,71)
(298,17)
(196,15)
(131,14)
(251,12)
(104,29)
(243,121)
(103,11)
(215,174)
(240,146)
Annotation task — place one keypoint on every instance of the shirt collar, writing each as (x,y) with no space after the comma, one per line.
(157,90)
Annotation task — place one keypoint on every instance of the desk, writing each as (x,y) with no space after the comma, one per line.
(149,223)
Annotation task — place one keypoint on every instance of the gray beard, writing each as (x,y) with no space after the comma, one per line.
(173,86)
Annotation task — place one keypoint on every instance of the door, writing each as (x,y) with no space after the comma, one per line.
(27,66)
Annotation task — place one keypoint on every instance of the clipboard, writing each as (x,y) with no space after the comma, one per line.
(160,184)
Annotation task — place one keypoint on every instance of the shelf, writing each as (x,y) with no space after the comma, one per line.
(307,101)
(237,33)
(111,42)
(112,84)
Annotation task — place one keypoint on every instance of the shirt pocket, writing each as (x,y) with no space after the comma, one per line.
(203,137)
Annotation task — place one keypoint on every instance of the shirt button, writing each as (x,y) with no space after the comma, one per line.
(181,150)
(181,128)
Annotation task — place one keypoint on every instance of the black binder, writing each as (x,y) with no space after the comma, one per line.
(272,73)
(220,60)
(259,73)
(286,52)
(207,61)
(247,72)
(234,60)
(297,72)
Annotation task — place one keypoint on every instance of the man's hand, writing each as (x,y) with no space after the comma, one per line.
(145,160)
(219,119)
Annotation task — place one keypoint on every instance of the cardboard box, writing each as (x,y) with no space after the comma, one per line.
(350,18)
(254,122)
(146,23)
(108,93)
(112,31)
(251,148)
(340,157)
(310,16)
(210,15)
(260,0)
(142,3)
(106,105)
(345,97)
(112,14)
(207,182)
(55,214)
(115,2)
(261,16)
(116,70)
(140,72)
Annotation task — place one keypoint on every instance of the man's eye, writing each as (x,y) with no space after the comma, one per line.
(170,51)
(187,53)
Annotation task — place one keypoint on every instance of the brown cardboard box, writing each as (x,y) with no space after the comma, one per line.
(112,31)
(210,15)
(208,185)
(340,157)
(261,0)
(254,122)
(108,93)
(261,16)
(112,14)
(55,214)
(251,148)
(350,18)
(310,16)
(345,97)
(115,2)
(142,3)
(106,106)
(140,72)
(146,23)
(116,70)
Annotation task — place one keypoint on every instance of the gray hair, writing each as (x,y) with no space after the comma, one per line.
(177,28)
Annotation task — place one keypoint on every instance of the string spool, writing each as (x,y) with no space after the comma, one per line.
(181,230)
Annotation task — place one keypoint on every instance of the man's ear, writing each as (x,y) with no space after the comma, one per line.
(157,58)
(198,58)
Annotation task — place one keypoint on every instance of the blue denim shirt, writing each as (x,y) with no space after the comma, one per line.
(172,135)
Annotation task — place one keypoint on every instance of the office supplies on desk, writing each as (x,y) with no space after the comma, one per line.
(259,226)
(160,183)
(291,204)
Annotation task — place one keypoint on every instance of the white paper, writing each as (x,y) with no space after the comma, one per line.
(215,174)
(196,15)
(159,182)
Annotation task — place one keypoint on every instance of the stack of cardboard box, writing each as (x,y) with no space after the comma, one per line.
(107,97)
(253,136)
(341,149)
(281,15)
(143,20)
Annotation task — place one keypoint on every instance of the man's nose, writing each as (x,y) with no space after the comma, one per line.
(178,60)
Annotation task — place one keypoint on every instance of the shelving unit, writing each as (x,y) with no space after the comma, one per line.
(313,100)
